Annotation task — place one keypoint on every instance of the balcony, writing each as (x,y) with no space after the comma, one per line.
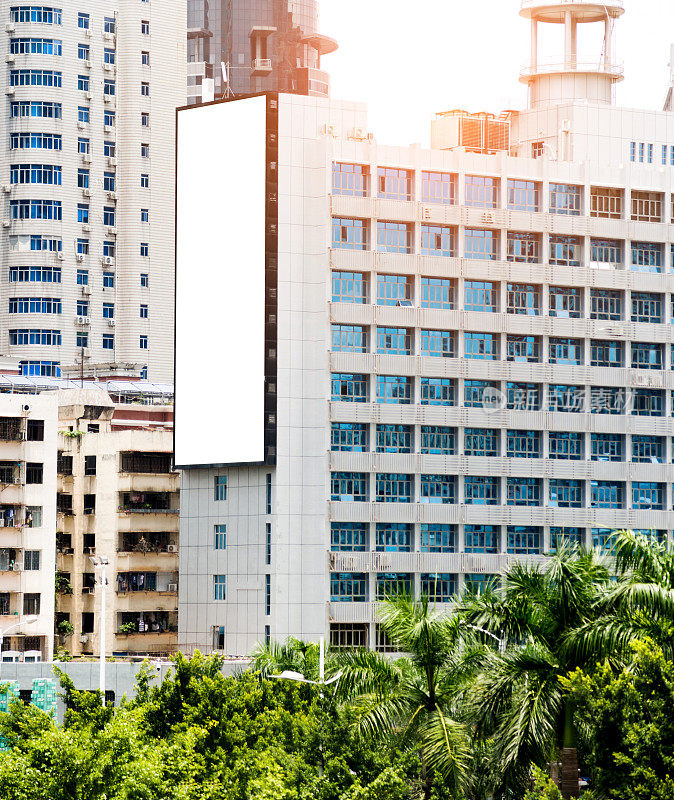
(149,503)
(261,67)
(585,10)
(10,429)
(147,623)
(615,70)
(147,582)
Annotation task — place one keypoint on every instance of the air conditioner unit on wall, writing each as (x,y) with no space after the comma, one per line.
(172,587)
(172,548)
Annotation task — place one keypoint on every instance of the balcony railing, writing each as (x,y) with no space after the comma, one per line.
(614,69)
(537,3)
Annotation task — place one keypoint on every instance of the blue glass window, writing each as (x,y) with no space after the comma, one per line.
(648,402)
(394,290)
(394,389)
(438,440)
(349,234)
(394,184)
(349,436)
(394,341)
(565,251)
(523,444)
(566,537)
(349,388)
(523,491)
(394,237)
(566,493)
(348,587)
(394,487)
(438,587)
(392,438)
(566,351)
(349,179)
(481,191)
(525,540)
(481,490)
(648,449)
(349,536)
(481,245)
(566,199)
(437,538)
(349,287)
(566,445)
(481,296)
(438,392)
(438,489)
(481,538)
(349,338)
(647,355)
(483,442)
(393,583)
(648,495)
(438,344)
(647,256)
(607,494)
(350,486)
(438,293)
(483,346)
(394,537)
(438,187)
(438,240)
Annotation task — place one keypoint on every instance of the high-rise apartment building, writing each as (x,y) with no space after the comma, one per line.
(86,170)
(450,357)
(265,45)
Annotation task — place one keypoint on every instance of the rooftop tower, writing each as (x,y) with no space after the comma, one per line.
(574,75)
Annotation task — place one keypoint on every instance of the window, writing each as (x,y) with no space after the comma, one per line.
(437,392)
(82,339)
(393,487)
(36,108)
(82,146)
(31,603)
(523,444)
(35,77)
(394,237)
(83,52)
(108,280)
(607,494)
(606,203)
(48,174)
(523,348)
(83,213)
(437,538)
(392,438)
(523,248)
(143,342)
(35,209)
(108,24)
(33,516)
(35,141)
(346,634)
(220,488)
(348,179)
(481,490)
(109,87)
(35,430)
(145,27)
(606,353)
(438,587)
(349,287)
(83,83)
(145,215)
(481,538)
(34,305)
(348,587)
(347,388)
(606,304)
(566,537)
(525,540)
(438,344)
(646,307)
(648,402)
(145,89)
(647,206)
(394,290)
(438,293)
(480,583)
(438,489)
(349,536)
(349,234)
(32,46)
(31,560)
(42,369)
(647,256)
(83,20)
(648,495)
(483,346)
(393,583)
(144,280)
(89,465)
(607,400)
(566,351)
(108,341)
(394,184)
(481,244)
(144,119)
(34,473)
(481,296)
(348,338)
(482,442)
(565,251)
(109,181)
(144,311)
(108,310)
(394,537)
(82,247)
(268,492)
(648,449)
(566,302)
(438,240)
(109,216)
(438,187)
(482,192)
(523,396)
(350,487)
(145,184)
(438,440)
(523,298)
(647,355)
(474,393)
(564,445)
(219,537)
(83,305)
(144,150)
(566,493)
(566,199)
(394,389)
(23,336)
(523,196)
(38,242)
(349,436)
(394,341)
(109,120)
(219,587)
(82,279)
(218,637)
(523,491)
(43,14)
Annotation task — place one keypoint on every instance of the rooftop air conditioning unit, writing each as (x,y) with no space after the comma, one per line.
(86,192)
(172,548)
(112,161)
(111,323)
(80,258)
(81,320)
(7,188)
(10,90)
(86,228)
(172,587)
(107,261)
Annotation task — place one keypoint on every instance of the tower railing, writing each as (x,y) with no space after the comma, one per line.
(537,3)
(616,68)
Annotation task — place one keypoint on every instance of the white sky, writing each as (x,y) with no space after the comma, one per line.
(408,59)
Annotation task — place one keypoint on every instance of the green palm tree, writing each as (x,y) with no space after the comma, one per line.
(272,658)
(518,702)
(412,699)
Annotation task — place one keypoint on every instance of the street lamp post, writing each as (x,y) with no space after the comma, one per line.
(27,621)
(102,563)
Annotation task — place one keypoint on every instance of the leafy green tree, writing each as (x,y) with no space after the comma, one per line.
(627,725)
(518,701)
(412,698)
(272,658)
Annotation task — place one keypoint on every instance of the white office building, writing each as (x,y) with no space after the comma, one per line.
(86,175)
(450,358)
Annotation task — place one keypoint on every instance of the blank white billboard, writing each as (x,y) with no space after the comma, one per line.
(220,283)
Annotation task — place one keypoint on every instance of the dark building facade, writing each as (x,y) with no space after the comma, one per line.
(266,45)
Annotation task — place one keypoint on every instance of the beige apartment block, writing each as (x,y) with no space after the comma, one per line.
(87,178)
(117,501)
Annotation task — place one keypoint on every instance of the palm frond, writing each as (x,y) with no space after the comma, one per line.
(445,746)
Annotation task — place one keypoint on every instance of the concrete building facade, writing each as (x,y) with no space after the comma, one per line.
(86,169)
(474,357)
